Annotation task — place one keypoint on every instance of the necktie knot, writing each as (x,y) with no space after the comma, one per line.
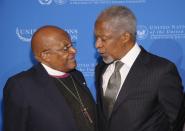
(118,65)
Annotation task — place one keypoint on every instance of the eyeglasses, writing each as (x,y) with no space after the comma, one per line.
(64,49)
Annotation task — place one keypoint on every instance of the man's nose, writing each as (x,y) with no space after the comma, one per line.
(99,43)
(72,50)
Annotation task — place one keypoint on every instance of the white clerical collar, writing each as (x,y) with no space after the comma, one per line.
(131,56)
(52,71)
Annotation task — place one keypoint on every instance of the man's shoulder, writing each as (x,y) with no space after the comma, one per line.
(23,74)
(157,64)
(19,80)
(156,60)
(78,75)
(76,72)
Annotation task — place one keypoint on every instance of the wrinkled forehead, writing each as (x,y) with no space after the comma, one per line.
(55,40)
(103,28)
(58,41)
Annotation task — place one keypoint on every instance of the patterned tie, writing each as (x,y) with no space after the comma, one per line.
(112,89)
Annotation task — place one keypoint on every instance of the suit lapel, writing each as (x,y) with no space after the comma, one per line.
(50,89)
(100,69)
(99,79)
(134,77)
(99,73)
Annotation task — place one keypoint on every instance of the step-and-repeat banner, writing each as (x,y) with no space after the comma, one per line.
(161,30)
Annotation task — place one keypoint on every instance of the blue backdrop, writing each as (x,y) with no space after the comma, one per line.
(161,30)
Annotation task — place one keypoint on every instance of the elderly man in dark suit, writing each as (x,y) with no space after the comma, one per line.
(136,90)
(52,95)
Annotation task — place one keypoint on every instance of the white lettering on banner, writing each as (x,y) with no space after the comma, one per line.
(79,2)
(24,34)
(73,34)
(161,32)
(60,2)
(105,1)
(87,69)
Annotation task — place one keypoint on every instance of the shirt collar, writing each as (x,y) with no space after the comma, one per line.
(52,71)
(131,56)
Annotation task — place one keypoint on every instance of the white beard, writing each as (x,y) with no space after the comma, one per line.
(108,59)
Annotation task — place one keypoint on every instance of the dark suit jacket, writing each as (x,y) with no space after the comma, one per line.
(149,100)
(33,103)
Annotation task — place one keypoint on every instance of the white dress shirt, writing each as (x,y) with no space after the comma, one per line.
(128,61)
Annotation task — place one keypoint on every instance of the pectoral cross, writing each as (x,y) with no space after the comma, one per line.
(85,112)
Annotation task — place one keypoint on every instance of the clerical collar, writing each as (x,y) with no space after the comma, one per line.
(53,72)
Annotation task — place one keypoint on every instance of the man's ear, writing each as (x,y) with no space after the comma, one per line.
(125,37)
(43,57)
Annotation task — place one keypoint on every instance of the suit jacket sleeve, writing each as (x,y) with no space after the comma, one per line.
(15,109)
(171,93)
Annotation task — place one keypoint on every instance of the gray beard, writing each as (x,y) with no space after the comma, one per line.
(108,60)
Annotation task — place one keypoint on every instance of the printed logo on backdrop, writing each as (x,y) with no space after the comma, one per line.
(62,2)
(45,2)
(161,32)
(142,32)
(49,2)
(87,69)
(25,34)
